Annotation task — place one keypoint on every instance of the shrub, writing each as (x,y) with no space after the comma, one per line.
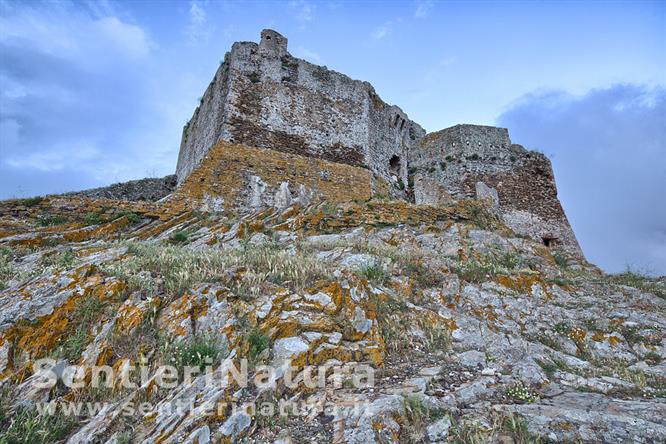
(393,323)
(373,273)
(63,259)
(94,219)
(478,270)
(179,237)
(562,282)
(7,269)
(32,201)
(416,418)
(46,220)
(131,216)
(258,342)
(517,428)
(85,315)
(473,271)
(478,215)
(438,337)
(561,260)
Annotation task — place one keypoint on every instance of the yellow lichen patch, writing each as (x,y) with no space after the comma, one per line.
(290,212)
(521,283)
(86,233)
(614,340)
(177,317)
(130,315)
(598,336)
(152,231)
(617,321)
(38,338)
(224,172)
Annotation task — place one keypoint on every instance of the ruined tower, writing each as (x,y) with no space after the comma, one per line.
(334,136)
(263,97)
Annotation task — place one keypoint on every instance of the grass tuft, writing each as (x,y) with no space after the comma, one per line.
(641,281)
(28,426)
(373,273)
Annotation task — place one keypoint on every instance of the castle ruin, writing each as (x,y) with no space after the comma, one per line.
(333,136)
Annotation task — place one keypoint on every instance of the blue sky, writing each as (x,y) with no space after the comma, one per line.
(95,92)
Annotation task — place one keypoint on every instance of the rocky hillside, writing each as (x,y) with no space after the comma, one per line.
(431,324)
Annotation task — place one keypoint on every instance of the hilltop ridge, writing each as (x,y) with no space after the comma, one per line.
(384,284)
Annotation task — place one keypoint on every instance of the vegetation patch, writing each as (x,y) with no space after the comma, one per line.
(7,268)
(32,201)
(61,259)
(415,420)
(636,279)
(179,237)
(47,220)
(393,323)
(180,267)
(258,342)
(86,314)
(373,273)
(521,393)
(28,426)
(199,351)
(488,266)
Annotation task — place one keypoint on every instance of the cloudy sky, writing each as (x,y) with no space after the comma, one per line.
(95,92)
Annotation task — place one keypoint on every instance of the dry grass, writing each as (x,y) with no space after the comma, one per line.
(407,259)
(153,267)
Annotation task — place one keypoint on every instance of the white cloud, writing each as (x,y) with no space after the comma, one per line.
(129,39)
(381,31)
(198,29)
(304,10)
(422,8)
(74,35)
(76,87)
(56,158)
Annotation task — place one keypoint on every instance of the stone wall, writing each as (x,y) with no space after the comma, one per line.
(236,177)
(262,96)
(472,161)
(150,189)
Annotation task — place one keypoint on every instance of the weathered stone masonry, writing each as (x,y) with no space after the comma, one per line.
(472,161)
(263,97)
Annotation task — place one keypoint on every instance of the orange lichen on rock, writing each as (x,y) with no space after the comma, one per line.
(226,170)
(177,317)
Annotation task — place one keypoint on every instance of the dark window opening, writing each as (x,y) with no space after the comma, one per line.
(549,240)
(394,165)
